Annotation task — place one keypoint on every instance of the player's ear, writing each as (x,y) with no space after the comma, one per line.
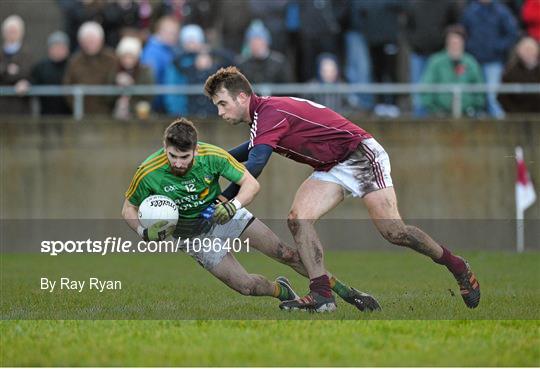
(196,151)
(242,97)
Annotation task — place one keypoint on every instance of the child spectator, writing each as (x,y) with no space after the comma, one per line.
(263,65)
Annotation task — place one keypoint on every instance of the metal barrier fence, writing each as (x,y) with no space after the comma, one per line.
(78,92)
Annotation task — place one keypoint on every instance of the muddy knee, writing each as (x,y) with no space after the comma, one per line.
(292,222)
(296,220)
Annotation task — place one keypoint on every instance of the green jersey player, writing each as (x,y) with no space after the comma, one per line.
(188,171)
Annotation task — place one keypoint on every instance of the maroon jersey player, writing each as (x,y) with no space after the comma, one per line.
(346,161)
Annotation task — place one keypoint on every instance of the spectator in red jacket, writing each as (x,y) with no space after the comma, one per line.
(531,17)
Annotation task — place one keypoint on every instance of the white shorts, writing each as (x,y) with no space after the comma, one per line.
(231,229)
(365,171)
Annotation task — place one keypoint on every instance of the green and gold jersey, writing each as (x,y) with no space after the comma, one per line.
(192,192)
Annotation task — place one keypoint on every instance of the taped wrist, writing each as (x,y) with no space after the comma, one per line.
(237,204)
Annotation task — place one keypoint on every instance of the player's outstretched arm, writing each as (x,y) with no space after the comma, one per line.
(249,187)
(256,161)
(240,152)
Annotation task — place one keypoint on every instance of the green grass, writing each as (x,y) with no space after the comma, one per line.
(424,321)
(270,343)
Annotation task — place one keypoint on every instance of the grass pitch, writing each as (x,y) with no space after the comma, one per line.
(424,321)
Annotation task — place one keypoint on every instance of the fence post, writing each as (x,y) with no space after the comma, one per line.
(456,101)
(78,103)
(35,107)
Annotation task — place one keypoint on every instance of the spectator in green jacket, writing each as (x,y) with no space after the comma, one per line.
(453,65)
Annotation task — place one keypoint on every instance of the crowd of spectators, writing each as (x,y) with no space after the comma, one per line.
(181,42)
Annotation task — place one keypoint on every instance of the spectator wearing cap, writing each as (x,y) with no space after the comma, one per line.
(453,66)
(193,41)
(523,67)
(159,52)
(191,38)
(492,31)
(50,71)
(193,65)
(196,63)
(273,16)
(130,72)
(91,65)
(15,65)
(263,65)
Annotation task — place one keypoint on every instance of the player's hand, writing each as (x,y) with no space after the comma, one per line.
(157,232)
(224,212)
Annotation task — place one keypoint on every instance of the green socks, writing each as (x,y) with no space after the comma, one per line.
(340,288)
(281,292)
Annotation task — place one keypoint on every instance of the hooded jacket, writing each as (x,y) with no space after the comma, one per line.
(491,30)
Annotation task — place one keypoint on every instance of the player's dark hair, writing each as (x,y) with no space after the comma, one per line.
(231,78)
(181,134)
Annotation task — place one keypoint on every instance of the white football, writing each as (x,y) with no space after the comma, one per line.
(156,208)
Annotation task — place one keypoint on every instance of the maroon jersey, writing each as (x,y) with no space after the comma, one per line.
(302,130)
